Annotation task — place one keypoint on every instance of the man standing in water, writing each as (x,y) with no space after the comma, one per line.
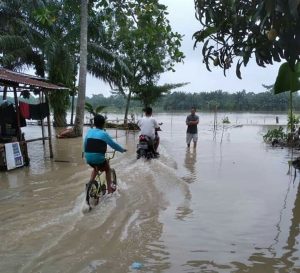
(192,121)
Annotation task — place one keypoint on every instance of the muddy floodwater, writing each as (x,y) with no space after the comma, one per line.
(230,205)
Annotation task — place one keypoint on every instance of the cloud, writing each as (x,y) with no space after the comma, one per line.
(183,20)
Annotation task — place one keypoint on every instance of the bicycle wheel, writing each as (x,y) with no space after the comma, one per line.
(92,193)
(113,178)
(103,189)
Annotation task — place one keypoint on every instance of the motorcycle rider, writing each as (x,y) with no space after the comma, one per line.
(149,126)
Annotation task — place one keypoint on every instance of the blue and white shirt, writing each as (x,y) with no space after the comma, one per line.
(95,145)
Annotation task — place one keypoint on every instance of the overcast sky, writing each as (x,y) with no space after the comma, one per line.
(193,70)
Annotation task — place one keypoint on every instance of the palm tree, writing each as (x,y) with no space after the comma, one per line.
(18,38)
(33,33)
(39,39)
(79,119)
(98,60)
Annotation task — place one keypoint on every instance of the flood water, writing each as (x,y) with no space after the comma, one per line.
(230,205)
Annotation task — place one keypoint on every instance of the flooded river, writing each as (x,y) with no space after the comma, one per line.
(231,205)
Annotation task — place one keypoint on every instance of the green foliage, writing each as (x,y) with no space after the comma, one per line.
(272,134)
(239,101)
(45,35)
(182,101)
(59,102)
(130,43)
(233,29)
(113,102)
(225,120)
(213,104)
(148,94)
(287,79)
(44,16)
(94,111)
(142,35)
(293,120)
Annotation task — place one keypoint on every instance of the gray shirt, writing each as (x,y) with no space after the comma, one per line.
(192,129)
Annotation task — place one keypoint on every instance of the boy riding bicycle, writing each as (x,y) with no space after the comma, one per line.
(95,146)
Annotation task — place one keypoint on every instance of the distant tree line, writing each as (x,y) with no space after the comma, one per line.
(207,101)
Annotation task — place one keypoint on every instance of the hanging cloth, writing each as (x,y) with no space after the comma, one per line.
(24,109)
(39,111)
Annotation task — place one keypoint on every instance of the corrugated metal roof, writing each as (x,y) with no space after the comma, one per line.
(8,76)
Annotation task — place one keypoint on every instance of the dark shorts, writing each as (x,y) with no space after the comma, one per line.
(101,167)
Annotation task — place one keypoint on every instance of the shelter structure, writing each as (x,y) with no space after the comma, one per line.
(13,115)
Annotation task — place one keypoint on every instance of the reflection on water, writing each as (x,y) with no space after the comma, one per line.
(223,207)
(189,162)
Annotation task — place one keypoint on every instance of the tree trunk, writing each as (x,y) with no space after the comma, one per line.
(60,119)
(127,107)
(291,112)
(72,108)
(79,119)
(5,93)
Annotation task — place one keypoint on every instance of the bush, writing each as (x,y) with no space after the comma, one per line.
(275,134)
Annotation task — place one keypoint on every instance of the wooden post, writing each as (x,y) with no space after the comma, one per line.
(4,93)
(49,129)
(42,120)
(72,107)
(18,115)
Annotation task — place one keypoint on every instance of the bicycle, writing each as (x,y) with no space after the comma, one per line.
(98,188)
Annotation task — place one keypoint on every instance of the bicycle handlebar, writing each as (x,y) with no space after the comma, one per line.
(110,152)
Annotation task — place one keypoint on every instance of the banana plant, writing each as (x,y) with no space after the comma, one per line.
(93,111)
(288,79)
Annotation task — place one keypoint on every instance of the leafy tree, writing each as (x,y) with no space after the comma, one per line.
(34,36)
(143,36)
(57,45)
(239,101)
(269,30)
(148,94)
(17,37)
(42,34)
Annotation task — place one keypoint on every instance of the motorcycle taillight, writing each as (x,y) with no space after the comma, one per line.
(142,138)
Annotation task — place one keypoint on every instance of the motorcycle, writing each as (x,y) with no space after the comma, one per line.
(145,147)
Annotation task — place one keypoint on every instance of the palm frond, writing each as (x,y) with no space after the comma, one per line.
(102,54)
(88,107)
(99,109)
(12,42)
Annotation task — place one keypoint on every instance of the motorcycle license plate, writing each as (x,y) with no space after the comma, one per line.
(143,146)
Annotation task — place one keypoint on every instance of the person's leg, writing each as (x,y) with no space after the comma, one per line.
(108,178)
(188,139)
(94,173)
(156,143)
(151,143)
(195,139)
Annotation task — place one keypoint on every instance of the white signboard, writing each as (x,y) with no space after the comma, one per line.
(13,155)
